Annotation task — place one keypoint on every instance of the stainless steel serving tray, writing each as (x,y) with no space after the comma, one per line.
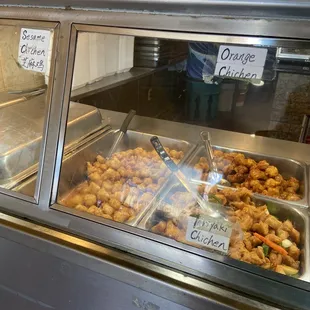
(73,171)
(21,131)
(287,167)
(281,210)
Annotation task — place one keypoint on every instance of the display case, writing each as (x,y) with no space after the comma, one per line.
(208,177)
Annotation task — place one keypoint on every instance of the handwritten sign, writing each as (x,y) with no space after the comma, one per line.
(209,232)
(34,49)
(240,62)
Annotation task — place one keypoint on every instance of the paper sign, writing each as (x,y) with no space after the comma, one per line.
(209,232)
(239,72)
(240,62)
(33,49)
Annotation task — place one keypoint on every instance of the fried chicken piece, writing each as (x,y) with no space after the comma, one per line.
(262,165)
(294,183)
(121,216)
(289,261)
(246,222)
(260,213)
(273,191)
(293,197)
(159,228)
(260,252)
(275,258)
(172,231)
(267,264)
(236,178)
(272,183)
(253,258)
(241,194)
(255,241)
(239,159)
(295,235)
(81,208)
(107,209)
(294,252)
(250,163)
(238,204)
(247,241)
(237,250)
(256,186)
(235,254)
(272,171)
(273,238)
(257,174)
(282,234)
(287,226)
(261,228)
(273,222)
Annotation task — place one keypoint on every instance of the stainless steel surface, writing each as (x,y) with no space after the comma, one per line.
(283,211)
(198,7)
(22,129)
(51,26)
(29,92)
(284,27)
(304,129)
(218,38)
(10,99)
(122,131)
(79,267)
(287,168)
(109,82)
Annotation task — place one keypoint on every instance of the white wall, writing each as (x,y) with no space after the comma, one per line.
(99,55)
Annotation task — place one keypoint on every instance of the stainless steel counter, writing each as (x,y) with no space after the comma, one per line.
(275,147)
(110,82)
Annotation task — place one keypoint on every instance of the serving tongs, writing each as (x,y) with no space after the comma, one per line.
(214,176)
(121,132)
(213,209)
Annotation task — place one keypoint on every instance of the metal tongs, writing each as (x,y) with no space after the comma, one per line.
(121,132)
(214,176)
(214,211)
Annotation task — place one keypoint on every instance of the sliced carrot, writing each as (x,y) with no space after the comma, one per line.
(271,244)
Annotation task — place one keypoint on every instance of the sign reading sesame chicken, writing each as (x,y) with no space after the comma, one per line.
(240,62)
(33,49)
(209,232)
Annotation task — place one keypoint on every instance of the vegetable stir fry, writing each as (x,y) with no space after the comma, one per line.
(263,240)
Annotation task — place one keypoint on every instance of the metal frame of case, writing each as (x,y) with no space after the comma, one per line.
(209,266)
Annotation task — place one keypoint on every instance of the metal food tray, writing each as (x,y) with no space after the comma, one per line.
(73,171)
(283,211)
(287,168)
(22,127)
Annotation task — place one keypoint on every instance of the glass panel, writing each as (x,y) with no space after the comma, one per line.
(25,64)
(242,204)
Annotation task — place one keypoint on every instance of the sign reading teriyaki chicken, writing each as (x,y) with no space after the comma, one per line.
(240,62)
(209,232)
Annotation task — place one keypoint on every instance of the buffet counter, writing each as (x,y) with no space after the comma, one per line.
(182,225)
